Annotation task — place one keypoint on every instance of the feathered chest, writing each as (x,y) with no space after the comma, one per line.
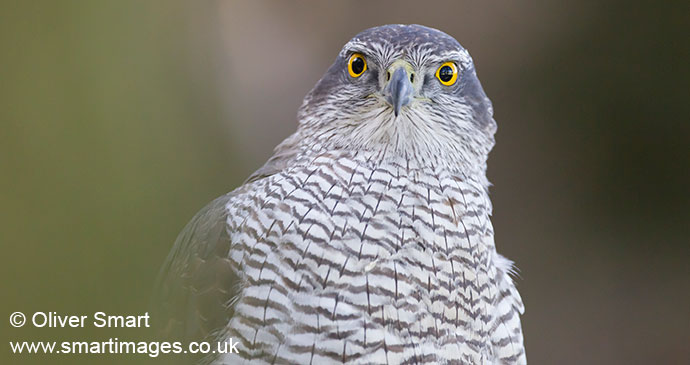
(343,248)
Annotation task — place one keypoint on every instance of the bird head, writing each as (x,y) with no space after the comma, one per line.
(408,89)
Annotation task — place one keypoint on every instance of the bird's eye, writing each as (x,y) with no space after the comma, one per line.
(447,73)
(356,65)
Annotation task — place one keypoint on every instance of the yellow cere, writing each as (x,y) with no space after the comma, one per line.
(356,65)
(447,73)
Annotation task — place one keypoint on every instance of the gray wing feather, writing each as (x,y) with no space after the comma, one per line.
(197,284)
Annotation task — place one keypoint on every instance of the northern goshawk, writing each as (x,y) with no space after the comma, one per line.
(366,238)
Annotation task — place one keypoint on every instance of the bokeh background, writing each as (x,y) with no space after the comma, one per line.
(120,119)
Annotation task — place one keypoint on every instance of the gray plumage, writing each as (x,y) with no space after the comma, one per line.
(366,238)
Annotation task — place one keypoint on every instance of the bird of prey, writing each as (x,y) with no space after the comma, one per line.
(366,238)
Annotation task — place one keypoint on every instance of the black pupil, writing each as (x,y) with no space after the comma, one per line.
(357,65)
(445,73)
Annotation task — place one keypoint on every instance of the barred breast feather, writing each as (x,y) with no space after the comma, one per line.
(347,256)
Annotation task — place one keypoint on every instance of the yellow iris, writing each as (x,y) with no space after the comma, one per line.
(447,74)
(356,65)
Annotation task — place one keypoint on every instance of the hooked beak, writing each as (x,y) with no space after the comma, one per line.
(398,91)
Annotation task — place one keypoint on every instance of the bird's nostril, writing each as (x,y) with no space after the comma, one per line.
(412,78)
(388,76)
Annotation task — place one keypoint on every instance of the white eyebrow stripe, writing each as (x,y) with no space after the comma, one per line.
(460,56)
(382,53)
(420,54)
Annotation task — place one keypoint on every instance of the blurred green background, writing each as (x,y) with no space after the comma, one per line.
(119,120)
